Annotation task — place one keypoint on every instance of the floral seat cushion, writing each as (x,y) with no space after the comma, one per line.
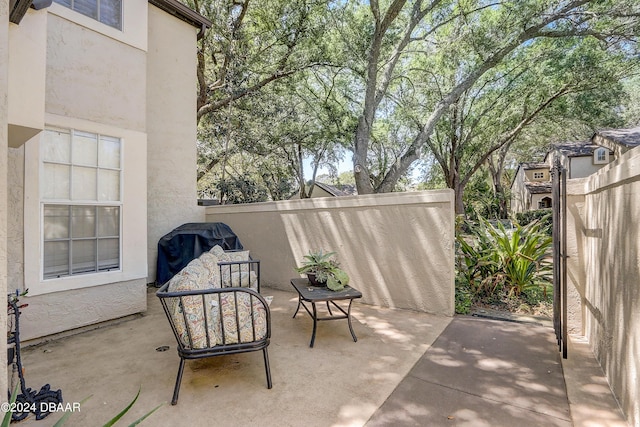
(204,273)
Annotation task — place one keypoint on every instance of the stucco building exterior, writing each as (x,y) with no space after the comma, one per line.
(98,112)
(531,186)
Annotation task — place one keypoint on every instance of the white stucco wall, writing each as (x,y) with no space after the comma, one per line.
(171,126)
(95,83)
(582,167)
(604,216)
(398,248)
(529,173)
(27,53)
(93,77)
(519,193)
(536,199)
(4,138)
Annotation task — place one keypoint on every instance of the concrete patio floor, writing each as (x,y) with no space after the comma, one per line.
(407,368)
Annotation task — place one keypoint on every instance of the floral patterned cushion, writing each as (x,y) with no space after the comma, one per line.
(204,273)
(210,262)
(217,250)
(229,272)
(241,279)
(225,307)
(193,277)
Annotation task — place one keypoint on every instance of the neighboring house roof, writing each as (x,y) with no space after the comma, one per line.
(334,191)
(538,187)
(182,12)
(534,165)
(576,148)
(627,137)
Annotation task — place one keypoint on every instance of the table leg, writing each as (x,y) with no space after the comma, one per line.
(349,320)
(297,308)
(315,323)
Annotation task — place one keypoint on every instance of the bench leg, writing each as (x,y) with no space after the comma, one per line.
(176,389)
(266,366)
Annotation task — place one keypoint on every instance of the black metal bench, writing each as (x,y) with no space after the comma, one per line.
(215,321)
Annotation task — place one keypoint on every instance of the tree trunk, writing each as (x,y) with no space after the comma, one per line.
(360,167)
(458,189)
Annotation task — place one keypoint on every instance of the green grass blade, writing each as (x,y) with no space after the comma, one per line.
(63,419)
(124,411)
(6,420)
(139,420)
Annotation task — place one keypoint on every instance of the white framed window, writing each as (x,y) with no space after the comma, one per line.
(538,175)
(80,197)
(601,156)
(109,12)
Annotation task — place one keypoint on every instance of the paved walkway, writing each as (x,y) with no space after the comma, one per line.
(482,372)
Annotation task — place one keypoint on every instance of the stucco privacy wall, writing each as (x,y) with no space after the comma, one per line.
(576,235)
(4,137)
(397,248)
(607,235)
(171,129)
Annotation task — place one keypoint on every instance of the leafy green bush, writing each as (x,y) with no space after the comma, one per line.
(542,215)
(464,298)
(493,259)
(521,256)
(473,263)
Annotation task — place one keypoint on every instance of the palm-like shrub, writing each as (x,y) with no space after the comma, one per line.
(521,256)
(494,258)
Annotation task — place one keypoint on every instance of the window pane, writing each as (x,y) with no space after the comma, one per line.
(56,222)
(108,254)
(56,259)
(109,185)
(66,3)
(85,149)
(56,146)
(110,13)
(83,256)
(109,152)
(84,184)
(86,7)
(108,221)
(83,221)
(55,181)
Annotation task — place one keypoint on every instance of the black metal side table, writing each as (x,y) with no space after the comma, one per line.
(315,294)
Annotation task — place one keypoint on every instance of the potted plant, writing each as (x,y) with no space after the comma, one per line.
(323,270)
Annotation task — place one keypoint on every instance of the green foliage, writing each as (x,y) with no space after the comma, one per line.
(480,198)
(243,189)
(449,84)
(542,215)
(6,420)
(126,409)
(463,297)
(326,269)
(521,257)
(492,258)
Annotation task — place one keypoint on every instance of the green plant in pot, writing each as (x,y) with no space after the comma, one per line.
(322,269)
